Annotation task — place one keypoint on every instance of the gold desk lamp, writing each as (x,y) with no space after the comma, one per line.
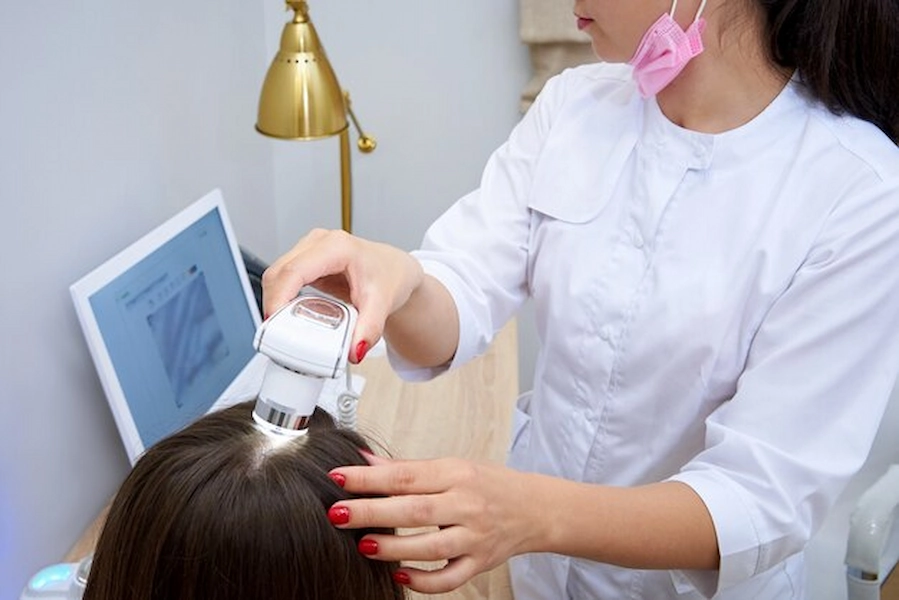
(302,100)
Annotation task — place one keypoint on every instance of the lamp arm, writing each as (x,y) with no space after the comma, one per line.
(366,142)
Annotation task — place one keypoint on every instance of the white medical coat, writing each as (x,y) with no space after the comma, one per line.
(721,310)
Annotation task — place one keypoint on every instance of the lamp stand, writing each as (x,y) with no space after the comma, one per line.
(346,183)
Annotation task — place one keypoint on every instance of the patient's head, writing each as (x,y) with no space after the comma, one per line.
(219,511)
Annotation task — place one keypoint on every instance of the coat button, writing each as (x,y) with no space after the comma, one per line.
(636,239)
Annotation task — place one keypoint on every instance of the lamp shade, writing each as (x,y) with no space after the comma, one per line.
(301,98)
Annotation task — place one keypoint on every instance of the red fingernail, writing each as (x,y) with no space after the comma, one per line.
(339,515)
(402,578)
(368,547)
(361,349)
(337,478)
(265,317)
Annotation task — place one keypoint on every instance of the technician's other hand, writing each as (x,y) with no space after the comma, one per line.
(376,278)
(481,511)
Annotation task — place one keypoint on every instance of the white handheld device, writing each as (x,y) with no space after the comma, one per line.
(307,341)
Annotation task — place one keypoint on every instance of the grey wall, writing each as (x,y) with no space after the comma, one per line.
(113,116)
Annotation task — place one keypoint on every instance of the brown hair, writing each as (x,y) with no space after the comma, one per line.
(217,511)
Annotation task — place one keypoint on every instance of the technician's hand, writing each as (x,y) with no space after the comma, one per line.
(376,278)
(481,511)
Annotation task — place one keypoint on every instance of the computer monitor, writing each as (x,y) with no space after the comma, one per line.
(169,322)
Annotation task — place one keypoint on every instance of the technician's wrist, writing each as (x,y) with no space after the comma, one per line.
(540,505)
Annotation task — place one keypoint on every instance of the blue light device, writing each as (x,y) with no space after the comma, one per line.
(64,581)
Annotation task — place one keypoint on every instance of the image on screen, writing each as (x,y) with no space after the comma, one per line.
(188,334)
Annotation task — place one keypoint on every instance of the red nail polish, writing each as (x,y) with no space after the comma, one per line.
(368,547)
(402,578)
(338,478)
(361,349)
(265,316)
(339,515)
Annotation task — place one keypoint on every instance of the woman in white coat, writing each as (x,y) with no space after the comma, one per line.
(706,221)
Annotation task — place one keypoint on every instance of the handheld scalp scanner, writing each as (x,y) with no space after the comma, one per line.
(307,341)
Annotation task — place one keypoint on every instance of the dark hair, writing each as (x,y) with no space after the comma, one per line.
(218,511)
(846,53)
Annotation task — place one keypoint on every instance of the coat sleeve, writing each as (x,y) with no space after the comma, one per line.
(478,249)
(809,401)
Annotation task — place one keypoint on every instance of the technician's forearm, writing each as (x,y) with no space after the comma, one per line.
(425,330)
(658,526)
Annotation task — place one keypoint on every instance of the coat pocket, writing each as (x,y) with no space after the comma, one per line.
(580,164)
(521,434)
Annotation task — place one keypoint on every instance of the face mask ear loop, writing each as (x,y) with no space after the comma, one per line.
(699,11)
(674,8)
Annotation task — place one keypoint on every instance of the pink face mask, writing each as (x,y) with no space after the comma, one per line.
(665,50)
